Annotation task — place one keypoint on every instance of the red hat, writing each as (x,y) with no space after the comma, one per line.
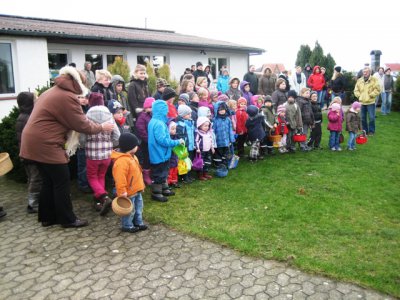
(96,99)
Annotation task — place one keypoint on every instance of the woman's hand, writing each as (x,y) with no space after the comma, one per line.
(107,126)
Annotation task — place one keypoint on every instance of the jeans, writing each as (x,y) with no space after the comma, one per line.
(322,103)
(81,166)
(351,144)
(386,102)
(96,173)
(334,140)
(306,127)
(135,218)
(370,110)
(320,99)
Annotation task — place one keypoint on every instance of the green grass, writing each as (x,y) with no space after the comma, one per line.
(330,213)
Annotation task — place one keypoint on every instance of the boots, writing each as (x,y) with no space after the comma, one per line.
(201,176)
(146,176)
(206,175)
(166,191)
(156,193)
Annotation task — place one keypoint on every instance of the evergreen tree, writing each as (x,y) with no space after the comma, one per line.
(303,55)
(120,67)
(329,64)
(317,57)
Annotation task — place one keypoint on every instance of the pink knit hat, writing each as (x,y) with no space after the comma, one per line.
(281,109)
(336,106)
(148,102)
(356,105)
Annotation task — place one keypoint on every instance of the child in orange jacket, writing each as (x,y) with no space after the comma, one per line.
(129,182)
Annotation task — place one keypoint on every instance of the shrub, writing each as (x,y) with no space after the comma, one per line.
(396,95)
(120,67)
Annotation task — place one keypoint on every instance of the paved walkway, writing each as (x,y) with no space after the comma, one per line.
(99,262)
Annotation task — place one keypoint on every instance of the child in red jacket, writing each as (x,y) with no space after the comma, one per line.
(241,130)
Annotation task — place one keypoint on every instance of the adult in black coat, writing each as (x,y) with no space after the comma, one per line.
(251,78)
(200,73)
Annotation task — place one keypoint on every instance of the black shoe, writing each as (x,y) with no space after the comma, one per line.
(142,227)
(2,213)
(168,193)
(77,223)
(31,210)
(48,223)
(159,197)
(106,205)
(130,230)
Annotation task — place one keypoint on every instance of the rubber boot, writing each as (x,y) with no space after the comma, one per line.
(156,193)
(200,175)
(146,176)
(166,191)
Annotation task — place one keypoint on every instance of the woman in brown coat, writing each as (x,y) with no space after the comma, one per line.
(267,83)
(56,113)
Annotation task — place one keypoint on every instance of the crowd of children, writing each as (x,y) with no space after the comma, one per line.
(213,126)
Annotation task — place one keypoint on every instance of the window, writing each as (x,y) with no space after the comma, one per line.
(96,60)
(56,62)
(216,64)
(7,85)
(156,60)
(111,58)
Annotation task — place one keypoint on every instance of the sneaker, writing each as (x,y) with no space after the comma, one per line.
(130,230)
(142,227)
(106,205)
(339,149)
(350,149)
(333,149)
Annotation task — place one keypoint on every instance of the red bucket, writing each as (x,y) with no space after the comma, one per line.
(299,138)
(362,138)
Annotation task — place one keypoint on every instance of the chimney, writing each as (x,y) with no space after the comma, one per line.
(375,59)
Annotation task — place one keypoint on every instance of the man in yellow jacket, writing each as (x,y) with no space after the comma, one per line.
(366,90)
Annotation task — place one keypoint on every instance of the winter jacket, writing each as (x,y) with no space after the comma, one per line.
(334,121)
(25,105)
(338,85)
(56,113)
(107,92)
(316,109)
(306,72)
(234,94)
(199,73)
(284,77)
(142,123)
(388,83)
(241,118)
(253,80)
(246,95)
(185,130)
(267,84)
(295,85)
(222,126)
(127,173)
(194,107)
(204,140)
(255,128)
(281,127)
(138,91)
(307,115)
(367,90)
(223,83)
(278,98)
(317,80)
(293,115)
(269,117)
(160,142)
(353,121)
(172,112)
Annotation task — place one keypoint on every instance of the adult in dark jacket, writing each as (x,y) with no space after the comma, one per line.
(279,95)
(138,90)
(57,113)
(316,133)
(307,116)
(252,78)
(25,102)
(200,73)
(103,85)
(338,84)
(285,76)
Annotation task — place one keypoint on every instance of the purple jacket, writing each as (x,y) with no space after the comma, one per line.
(334,121)
(141,125)
(246,95)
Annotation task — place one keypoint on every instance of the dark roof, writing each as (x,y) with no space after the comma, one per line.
(69,30)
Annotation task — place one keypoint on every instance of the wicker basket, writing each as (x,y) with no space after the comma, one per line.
(6,164)
(122,206)
(275,138)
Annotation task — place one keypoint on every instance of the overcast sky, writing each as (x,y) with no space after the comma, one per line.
(348,30)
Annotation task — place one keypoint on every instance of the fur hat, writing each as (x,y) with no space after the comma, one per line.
(223,98)
(335,106)
(184,110)
(338,69)
(241,100)
(168,93)
(128,141)
(96,99)
(73,72)
(114,106)
(356,105)
(198,64)
(148,102)
(201,121)
(292,93)
(184,97)
(252,110)
(161,82)
(268,98)
(281,109)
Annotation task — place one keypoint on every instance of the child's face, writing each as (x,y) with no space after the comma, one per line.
(172,130)
(242,105)
(282,114)
(282,86)
(358,110)
(118,115)
(204,83)
(204,96)
(161,89)
(314,98)
(222,112)
(260,101)
(247,88)
(181,102)
(233,106)
(118,88)
(268,104)
(141,75)
(187,117)
(105,81)
(83,100)
(148,109)
(195,98)
(234,84)
(215,98)
(205,126)
(306,94)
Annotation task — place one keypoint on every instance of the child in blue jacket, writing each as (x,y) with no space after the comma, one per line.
(160,146)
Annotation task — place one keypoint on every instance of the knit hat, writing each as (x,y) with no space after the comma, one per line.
(114,106)
(223,98)
(335,106)
(241,100)
(184,97)
(168,93)
(252,110)
(281,109)
(201,121)
(268,98)
(355,105)
(199,63)
(148,102)
(184,110)
(313,93)
(161,82)
(203,111)
(338,69)
(171,124)
(128,141)
(96,99)
(292,93)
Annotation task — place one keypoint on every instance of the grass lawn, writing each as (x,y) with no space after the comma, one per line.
(330,213)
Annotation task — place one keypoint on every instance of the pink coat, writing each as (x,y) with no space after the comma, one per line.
(334,121)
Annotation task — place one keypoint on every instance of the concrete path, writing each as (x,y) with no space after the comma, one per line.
(100,262)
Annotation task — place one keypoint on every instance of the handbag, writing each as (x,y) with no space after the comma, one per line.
(233,163)
(180,151)
(182,167)
(198,162)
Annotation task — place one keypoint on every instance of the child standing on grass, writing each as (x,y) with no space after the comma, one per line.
(224,136)
(307,116)
(204,145)
(255,132)
(335,126)
(241,129)
(269,125)
(316,131)
(353,124)
(129,181)
(293,120)
(173,161)
(281,128)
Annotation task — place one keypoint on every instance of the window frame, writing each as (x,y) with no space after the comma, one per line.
(13,65)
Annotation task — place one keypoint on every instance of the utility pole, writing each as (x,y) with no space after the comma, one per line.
(145,22)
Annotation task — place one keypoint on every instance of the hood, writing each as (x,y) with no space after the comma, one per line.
(201,121)
(307,65)
(242,84)
(203,111)
(252,110)
(160,110)
(70,79)
(116,79)
(115,155)
(315,69)
(222,105)
(234,78)
(25,102)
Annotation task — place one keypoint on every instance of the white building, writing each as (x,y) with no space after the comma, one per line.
(32,50)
